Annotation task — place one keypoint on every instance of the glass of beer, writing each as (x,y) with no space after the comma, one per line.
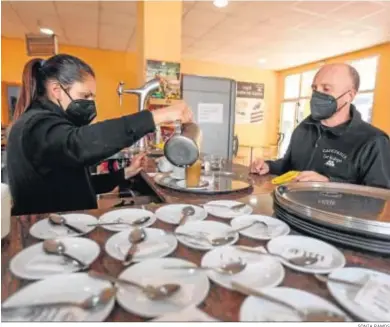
(193,174)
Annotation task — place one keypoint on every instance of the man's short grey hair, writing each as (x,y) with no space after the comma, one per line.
(355,77)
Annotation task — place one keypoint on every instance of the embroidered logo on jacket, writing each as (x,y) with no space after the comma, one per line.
(332,157)
(329,163)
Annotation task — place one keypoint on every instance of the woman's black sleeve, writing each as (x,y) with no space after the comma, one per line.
(52,140)
(105,183)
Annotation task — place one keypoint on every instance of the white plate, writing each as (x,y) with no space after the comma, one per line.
(226,212)
(203,185)
(211,229)
(258,309)
(44,230)
(70,287)
(194,287)
(275,227)
(291,246)
(173,175)
(34,263)
(261,271)
(171,213)
(345,294)
(127,216)
(156,245)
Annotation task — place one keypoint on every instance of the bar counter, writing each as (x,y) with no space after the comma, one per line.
(220,303)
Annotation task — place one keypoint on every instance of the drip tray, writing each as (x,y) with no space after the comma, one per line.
(216,184)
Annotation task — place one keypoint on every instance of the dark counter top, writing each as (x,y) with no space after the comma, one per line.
(220,303)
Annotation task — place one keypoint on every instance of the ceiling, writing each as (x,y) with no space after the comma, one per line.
(284,33)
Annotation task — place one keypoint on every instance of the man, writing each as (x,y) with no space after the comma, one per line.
(333,143)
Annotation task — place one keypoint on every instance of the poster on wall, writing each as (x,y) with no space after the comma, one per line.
(169,75)
(250,103)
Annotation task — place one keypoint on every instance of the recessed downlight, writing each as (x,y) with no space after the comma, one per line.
(220,3)
(46,30)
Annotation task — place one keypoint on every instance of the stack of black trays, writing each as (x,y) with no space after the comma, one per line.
(344,214)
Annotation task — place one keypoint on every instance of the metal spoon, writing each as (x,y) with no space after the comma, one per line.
(236,230)
(151,292)
(218,241)
(235,207)
(325,279)
(136,236)
(91,302)
(186,212)
(230,268)
(303,260)
(137,222)
(59,220)
(308,315)
(59,248)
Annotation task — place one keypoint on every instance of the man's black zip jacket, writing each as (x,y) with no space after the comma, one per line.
(354,152)
(48,157)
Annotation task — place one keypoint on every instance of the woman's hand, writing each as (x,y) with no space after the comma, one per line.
(136,165)
(179,111)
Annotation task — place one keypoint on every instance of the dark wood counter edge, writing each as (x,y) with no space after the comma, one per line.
(221,303)
(150,181)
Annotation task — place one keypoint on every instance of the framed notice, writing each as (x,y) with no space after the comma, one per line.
(210,113)
(250,103)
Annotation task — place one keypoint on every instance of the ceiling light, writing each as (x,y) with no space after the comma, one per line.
(262,61)
(220,3)
(47,31)
(347,32)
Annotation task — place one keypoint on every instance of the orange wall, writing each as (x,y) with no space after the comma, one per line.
(111,67)
(381,109)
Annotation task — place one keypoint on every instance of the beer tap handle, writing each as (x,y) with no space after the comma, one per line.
(120,92)
(177,127)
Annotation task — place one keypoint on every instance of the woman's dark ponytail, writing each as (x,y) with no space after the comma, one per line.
(31,86)
(65,69)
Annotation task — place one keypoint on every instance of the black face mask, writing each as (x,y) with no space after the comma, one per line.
(81,111)
(324,106)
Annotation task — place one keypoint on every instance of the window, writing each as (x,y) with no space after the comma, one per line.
(292,86)
(366,68)
(295,106)
(364,101)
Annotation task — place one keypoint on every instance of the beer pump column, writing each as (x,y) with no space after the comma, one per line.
(143,94)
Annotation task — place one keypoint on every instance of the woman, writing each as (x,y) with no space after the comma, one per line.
(51,143)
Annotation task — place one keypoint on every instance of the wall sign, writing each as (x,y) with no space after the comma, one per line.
(250,103)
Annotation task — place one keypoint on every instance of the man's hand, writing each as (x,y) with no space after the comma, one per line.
(311,176)
(259,166)
(136,165)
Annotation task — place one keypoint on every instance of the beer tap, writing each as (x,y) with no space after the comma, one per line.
(143,94)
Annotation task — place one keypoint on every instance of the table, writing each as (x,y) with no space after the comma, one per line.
(220,303)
